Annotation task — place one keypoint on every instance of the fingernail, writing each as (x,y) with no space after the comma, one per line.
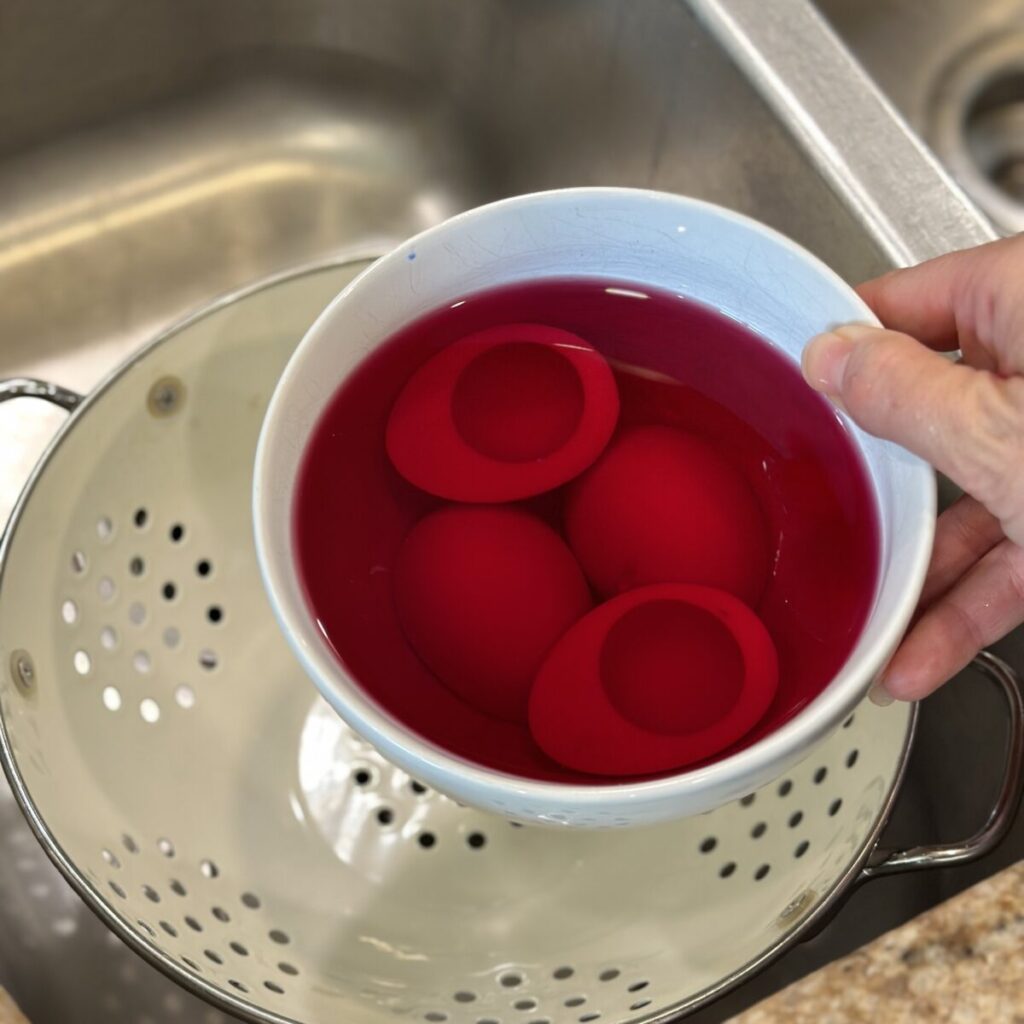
(879,695)
(824,361)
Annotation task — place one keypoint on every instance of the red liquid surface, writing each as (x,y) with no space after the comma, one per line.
(676,363)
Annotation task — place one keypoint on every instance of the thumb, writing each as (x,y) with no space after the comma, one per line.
(969,424)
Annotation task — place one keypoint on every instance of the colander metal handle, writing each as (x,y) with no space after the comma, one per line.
(30,387)
(1000,818)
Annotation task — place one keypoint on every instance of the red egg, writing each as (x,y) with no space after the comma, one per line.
(482,594)
(654,680)
(503,414)
(664,506)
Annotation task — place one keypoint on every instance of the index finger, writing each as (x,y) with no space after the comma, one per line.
(943,302)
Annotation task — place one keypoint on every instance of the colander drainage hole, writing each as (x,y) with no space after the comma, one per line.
(204,567)
(110,858)
(848,722)
(213,956)
(165,846)
(820,775)
(785,787)
(280,937)
(149,710)
(169,928)
(588,1017)
(137,613)
(193,924)
(511,980)
(104,528)
(762,872)
(208,659)
(117,890)
(435,1017)
(82,662)
(758,830)
(136,566)
(385,816)
(209,869)
(238,948)
(465,997)
(215,614)
(79,563)
(286,968)
(638,986)
(610,975)
(141,662)
(833,808)
(129,843)
(561,973)
(525,1004)
(476,840)
(748,800)
(221,914)
(795,818)
(427,840)
(69,612)
(169,590)
(177,533)
(707,845)
(238,985)
(272,986)
(640,1005)
(801,849)
(140,518)
(851,758)
(177,888)
(418,788)
(108,638)
(147,928)
(106,588)
(251,900)
(151,894)
(111,698)
(192,965)
(363,777)
(727,870)
(575,1001)
(185,697)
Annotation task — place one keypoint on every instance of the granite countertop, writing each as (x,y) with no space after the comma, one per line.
(961,962)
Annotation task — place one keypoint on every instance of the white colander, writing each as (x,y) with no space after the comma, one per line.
(180,769)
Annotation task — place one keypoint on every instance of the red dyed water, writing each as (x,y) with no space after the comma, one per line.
(676,364)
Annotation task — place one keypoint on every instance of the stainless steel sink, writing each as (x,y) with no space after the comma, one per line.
(155,154)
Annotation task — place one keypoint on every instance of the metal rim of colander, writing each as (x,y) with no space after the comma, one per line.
(244,1009)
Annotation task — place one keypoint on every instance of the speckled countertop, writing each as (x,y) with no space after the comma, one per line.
(960,963)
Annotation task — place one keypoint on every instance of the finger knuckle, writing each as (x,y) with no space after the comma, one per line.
(989,449)
(865,383)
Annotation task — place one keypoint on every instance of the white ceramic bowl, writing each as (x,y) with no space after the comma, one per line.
(729,262)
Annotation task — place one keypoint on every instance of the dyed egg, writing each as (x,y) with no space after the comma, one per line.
(653,680)
(482,593)
(663,506)
(503,414)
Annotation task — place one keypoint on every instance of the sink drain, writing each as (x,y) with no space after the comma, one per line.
(977,126)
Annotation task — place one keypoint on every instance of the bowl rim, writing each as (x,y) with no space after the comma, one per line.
(735,774)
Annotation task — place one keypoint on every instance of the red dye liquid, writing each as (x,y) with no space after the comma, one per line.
(676,364)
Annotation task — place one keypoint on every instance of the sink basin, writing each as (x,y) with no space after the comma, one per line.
(159,153)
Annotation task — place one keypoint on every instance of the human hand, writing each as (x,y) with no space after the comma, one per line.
(966,419)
